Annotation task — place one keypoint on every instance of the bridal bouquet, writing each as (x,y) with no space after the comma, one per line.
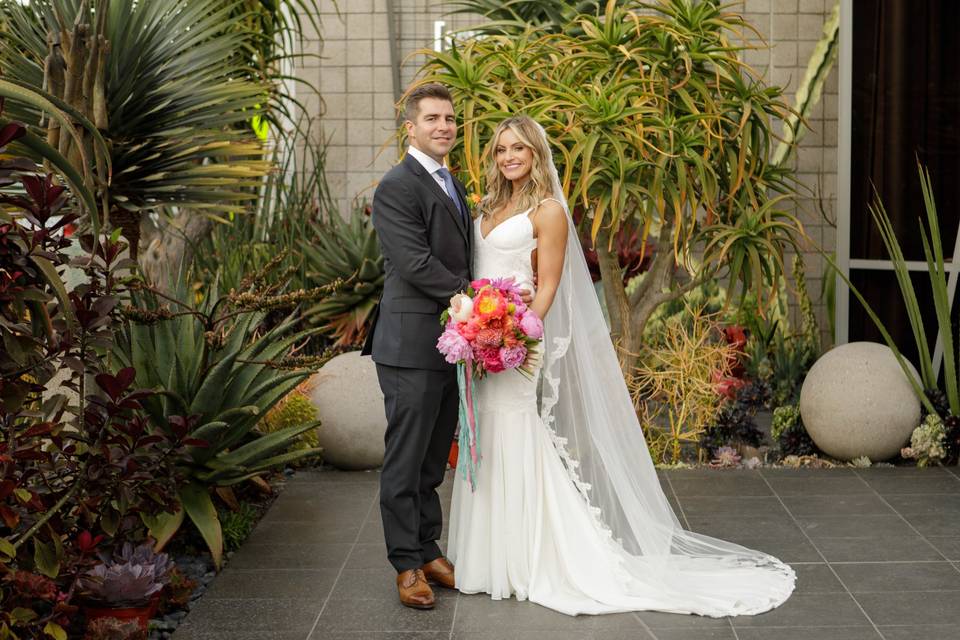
(488,329)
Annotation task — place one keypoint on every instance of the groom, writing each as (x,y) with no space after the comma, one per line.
(425,233)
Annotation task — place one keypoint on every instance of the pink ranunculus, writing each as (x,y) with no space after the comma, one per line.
(469,329)
(531,325)
(513,357)
(476,285)
(453,346)
(490,358)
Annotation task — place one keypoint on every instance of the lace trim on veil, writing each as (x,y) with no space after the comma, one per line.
(548,401)
(665,550)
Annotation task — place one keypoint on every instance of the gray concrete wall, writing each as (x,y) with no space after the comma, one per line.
(355,79)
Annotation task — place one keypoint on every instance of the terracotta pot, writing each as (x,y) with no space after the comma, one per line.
(141,614)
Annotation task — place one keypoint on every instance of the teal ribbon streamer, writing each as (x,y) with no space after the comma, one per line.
(468,457)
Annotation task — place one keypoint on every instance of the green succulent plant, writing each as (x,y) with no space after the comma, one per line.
(345,250)
(237,525)
(295,408)
(225,379)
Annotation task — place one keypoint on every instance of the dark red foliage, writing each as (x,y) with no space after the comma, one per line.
(634,255)
(34,585)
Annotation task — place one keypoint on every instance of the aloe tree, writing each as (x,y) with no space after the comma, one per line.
(512,16)
(654,119)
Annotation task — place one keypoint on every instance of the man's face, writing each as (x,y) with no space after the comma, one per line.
(435,130)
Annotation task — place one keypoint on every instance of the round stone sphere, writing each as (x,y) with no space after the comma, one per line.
(856,401)
(349,405)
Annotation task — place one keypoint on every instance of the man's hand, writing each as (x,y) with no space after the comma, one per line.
(526,295)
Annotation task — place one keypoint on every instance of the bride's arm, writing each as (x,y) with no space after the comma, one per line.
(550,224)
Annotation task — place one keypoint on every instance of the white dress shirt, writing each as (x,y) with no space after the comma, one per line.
(431,165)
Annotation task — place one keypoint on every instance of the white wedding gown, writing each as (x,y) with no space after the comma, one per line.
(529,532)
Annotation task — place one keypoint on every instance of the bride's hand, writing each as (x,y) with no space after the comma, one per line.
(526,296)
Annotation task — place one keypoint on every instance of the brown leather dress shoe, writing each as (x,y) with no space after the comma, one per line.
(440,572)
(414,590)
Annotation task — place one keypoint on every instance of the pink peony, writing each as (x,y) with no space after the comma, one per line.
(513,357)
(531,325)
(453,346)
(490,358)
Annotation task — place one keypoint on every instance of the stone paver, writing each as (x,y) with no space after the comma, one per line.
(876,553)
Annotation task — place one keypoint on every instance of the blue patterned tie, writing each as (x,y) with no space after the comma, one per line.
(444,173)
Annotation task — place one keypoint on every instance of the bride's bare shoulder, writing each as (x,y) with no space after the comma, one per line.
(550,214)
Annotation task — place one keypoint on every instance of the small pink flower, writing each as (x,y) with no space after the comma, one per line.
(87,542)
(531,325)
(476,285)
(490,358)
(513,357)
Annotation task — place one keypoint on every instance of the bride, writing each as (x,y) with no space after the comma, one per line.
(568,511)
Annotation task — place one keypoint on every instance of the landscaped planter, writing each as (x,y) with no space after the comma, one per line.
(141,614)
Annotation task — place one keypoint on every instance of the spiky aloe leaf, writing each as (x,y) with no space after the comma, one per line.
(199,507)
(821,63)
(347,250)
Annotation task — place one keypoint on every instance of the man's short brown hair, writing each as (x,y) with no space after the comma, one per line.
(431,90)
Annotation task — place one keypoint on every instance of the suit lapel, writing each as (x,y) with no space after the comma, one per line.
(417,169)
(463,200)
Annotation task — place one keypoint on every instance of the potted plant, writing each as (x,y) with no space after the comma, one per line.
(127,586)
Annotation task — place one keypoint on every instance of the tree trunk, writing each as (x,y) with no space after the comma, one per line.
(172,245)
(629,315)
(657,286)
(618,306)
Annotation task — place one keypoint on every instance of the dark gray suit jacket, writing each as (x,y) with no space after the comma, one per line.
(426,248)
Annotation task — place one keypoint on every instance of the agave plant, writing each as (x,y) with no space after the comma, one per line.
(654,119)
(344,250)
(218,368)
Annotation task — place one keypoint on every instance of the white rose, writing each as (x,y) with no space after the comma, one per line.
(461,307)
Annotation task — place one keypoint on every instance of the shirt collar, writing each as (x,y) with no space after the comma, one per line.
(428,163)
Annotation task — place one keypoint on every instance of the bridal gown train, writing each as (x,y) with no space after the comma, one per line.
(529,531)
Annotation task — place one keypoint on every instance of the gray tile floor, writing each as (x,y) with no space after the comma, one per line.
(877,553)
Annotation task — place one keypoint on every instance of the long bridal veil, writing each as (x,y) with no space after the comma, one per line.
(590,415)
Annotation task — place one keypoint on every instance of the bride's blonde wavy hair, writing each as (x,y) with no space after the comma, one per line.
(540,183)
